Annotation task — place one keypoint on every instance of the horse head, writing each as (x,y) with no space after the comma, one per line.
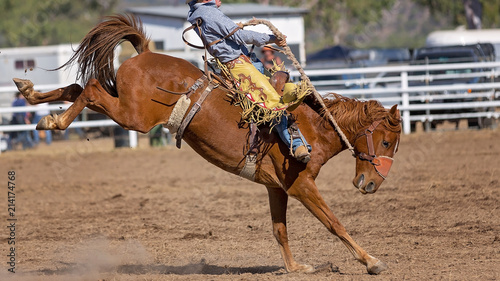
(374,147)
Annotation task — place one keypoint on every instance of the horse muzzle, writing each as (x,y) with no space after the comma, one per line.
(382,165)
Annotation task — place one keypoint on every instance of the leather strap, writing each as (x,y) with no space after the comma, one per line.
(194,109)
(369,142)
(252,140)
(249,169)
(198,25)
(231,33)
(187,42)
(382,164)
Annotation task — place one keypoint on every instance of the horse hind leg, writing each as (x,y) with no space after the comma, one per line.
(26,88)
(278,200)
(86,97)
(123,110)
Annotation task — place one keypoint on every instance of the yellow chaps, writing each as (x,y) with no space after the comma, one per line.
(257,85)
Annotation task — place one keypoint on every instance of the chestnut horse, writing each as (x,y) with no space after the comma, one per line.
(216,132)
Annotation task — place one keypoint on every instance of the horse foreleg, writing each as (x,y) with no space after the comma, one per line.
(307,193)
(278,200)
(69,93)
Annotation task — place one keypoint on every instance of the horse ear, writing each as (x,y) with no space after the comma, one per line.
(394,110)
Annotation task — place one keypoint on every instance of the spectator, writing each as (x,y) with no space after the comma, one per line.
(19,118)
(43,111)
(269,57)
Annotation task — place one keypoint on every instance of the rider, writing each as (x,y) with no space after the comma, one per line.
(226,42)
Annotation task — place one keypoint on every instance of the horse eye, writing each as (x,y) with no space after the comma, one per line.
(385,144)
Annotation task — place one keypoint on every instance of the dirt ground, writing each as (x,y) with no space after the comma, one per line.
(87,211)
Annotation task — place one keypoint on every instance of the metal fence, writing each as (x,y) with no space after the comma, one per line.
(424,93)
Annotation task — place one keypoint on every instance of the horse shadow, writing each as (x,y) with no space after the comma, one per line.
(196,268)
(190,269)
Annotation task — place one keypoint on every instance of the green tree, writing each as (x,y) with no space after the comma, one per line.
(34,22)
(454,9)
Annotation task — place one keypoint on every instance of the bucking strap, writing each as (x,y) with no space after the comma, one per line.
(194,109)
(248,171)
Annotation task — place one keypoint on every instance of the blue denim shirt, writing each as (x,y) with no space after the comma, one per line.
(216,25)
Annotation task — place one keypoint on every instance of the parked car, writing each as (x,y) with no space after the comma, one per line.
(450,55)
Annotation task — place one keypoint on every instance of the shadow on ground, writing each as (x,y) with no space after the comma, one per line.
(195,268)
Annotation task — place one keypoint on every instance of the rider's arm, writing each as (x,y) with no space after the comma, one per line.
(225,26)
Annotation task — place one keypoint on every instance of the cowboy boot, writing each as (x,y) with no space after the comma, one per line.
(302,154)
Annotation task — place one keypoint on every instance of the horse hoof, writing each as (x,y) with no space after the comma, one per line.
(377,268)
(25,87)
(303,268)
(47,123)
(307,268)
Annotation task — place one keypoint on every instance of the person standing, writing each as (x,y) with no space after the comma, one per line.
(269,58)
(41,112)
(20,118)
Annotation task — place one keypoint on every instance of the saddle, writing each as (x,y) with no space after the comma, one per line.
(178,123)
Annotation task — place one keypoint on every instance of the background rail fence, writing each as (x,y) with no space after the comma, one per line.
(133,136)
(424,93)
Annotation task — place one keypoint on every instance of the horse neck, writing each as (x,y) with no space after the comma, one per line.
(347,114)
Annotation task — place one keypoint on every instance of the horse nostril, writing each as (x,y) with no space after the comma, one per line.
(370,188)
(361,180)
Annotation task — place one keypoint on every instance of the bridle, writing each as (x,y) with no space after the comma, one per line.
(382,164)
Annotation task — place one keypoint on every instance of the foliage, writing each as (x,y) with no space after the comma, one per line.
(491,13)
(356,23)
(34,22)
(456,11)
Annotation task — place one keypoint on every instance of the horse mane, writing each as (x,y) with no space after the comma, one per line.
(95,53)
(352,114)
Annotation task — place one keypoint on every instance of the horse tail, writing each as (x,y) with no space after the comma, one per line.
(95,53)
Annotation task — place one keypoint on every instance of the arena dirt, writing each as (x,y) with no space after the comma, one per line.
(87,211)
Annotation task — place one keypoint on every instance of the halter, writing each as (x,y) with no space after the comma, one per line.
(382,164)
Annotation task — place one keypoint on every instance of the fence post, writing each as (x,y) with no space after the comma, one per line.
(132,136)
(405,102)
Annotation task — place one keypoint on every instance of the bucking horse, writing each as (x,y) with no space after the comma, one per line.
(130,97)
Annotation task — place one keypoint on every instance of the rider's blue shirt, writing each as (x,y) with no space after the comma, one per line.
(215,25)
